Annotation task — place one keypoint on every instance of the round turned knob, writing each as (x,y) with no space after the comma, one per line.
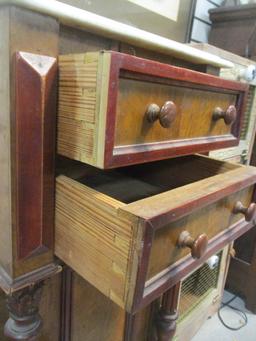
(249,212)
(166,115)
(198,246)
(229,116)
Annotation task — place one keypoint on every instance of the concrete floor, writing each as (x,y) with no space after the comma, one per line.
(213,330)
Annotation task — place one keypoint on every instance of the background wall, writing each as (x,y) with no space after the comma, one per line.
(201,24)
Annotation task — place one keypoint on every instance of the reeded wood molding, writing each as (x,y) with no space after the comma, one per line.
(35,106)
(84,20)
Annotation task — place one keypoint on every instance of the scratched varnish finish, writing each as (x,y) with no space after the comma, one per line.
(103,102)
(106,221)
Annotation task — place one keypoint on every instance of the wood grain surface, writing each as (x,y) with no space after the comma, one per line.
(193,105)
(150,201)
(36,78)
(104,96)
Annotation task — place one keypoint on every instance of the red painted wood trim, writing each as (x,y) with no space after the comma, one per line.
(177,273)
(146,292)
(150,67)
(35,108)
(128,155)
(10,285)
(143,264)
(121,156)
(159,221)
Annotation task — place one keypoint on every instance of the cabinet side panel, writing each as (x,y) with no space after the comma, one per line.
(91,309)
(5,152)
(33,33)
(91,238)
(77,106)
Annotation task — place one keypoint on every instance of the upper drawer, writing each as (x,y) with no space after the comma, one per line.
(116,109)
(129,232)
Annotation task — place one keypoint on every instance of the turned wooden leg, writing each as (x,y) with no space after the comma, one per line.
(24,321)
(166,316)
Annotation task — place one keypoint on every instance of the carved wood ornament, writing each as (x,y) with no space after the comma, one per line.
(24,321)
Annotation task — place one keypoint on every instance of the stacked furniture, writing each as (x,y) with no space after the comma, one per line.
(135,209)
(241,275)
(233,29)
(244,70)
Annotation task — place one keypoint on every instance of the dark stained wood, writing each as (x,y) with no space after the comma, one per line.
(3,315)
(229,115)
(166,114)
(21,30)
(233,29)
(24,321)
(139,325)
(35,77)
(10,285)
(66,303)
(249,212)
(166,317)
(241,275)
(49,309)
(198,245)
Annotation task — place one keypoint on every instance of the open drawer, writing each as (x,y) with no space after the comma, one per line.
(135,231)
(116,110)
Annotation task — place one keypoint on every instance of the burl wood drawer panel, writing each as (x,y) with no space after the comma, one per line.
(131,232)
(116,109)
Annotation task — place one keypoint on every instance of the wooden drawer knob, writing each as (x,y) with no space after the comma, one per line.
(229,116)
(198,246)
(249,212)
(166,115)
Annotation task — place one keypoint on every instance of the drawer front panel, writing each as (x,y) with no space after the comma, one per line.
(103,102)
(210,220)
(193,105)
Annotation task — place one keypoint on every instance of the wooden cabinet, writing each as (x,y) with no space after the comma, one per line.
(116,109)
(131,233)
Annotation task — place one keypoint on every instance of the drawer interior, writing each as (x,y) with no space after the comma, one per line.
(137,182)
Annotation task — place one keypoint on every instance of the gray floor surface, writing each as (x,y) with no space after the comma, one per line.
(213,330)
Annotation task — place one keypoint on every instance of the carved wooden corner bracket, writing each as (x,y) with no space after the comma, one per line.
(24,322)
(23,298)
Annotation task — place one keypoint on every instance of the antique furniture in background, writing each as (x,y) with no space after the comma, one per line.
(242,272)
(241,275)
(244,70)
(130,234)
(234,24)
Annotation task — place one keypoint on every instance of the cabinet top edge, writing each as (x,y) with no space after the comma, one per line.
(84,20)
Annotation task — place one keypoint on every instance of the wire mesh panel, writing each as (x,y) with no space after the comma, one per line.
(196,287)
